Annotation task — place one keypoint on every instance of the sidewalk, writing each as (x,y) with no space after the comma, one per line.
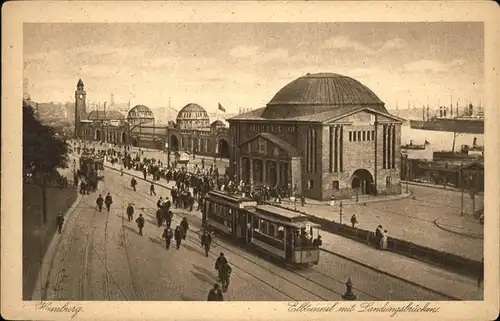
(461,225)
(398,266)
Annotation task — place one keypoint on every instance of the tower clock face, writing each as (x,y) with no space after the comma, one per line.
(80,96)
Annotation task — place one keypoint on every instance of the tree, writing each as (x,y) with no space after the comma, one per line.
(41,148)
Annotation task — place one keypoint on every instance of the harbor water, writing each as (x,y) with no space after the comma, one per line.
(439,141)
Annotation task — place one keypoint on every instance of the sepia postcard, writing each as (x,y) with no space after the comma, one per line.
(291,160)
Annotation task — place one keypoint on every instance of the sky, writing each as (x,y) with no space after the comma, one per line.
(245,64)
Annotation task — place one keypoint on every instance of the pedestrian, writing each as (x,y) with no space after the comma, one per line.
(167,235)
(332,201)
(317,241)
(354,220)
(177,236)
(121,170)
(130,212)
(140,223)
(160,202)
(144,172)
(480,278)
(133,183)
(59,222)
(378,236)
(215,294)
(302,200)
(159,217)
(184,227)
(152,190)
(168,219)
(383,240)
(99,202)
(108,201)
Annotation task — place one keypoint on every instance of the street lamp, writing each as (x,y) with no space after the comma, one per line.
(407,173)
(461,175)
(340,206)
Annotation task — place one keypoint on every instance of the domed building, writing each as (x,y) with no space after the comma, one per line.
(102,125)
(193,132)
(322,135)
(193,116)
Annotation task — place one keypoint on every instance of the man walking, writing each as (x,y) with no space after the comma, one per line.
(167,235)
(99,202)
(354,220)
(130,212)
(59,222)
(140,223)
(152,190)
(177,236)
(108,201)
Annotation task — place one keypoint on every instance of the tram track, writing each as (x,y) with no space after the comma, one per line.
(242,268)
(105,260)
(270,271)
(134,276)
(65,245)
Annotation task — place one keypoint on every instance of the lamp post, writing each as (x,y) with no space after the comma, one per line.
(340,207)
(407,173)
(462,189)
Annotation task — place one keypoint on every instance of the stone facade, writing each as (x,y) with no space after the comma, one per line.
(352,147)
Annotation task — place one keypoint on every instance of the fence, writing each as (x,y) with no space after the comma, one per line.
(419,252)
(48,181)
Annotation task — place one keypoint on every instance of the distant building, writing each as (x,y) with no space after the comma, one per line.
(326,134)
(107,126)
(193,132)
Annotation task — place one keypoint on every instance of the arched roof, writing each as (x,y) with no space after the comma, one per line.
(314,93)
(192,107)
(140,112)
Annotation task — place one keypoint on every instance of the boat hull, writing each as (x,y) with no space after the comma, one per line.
(472,126)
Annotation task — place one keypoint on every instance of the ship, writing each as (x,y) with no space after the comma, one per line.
(416,146)
(468,123)
(466,153)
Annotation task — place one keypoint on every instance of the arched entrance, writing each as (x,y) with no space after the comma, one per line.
(362,180)
(174,143)
(97,135)
(223,148)
(135,143)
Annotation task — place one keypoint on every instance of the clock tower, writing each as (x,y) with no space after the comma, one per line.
(80,106)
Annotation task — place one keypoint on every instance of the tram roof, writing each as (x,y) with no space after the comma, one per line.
(283,216)
(229,197)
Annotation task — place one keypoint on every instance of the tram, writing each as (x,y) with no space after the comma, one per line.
(92,166)
(282,233)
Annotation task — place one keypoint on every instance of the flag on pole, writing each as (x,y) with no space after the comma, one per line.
(222,108)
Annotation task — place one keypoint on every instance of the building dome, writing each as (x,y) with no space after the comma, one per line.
(140,114)
(315,93)
(193,116)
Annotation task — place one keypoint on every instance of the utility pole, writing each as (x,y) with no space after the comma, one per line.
(461,181)
(340,206)
(407,173)
(44,198)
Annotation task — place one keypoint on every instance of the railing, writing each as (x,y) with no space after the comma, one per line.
(39,180)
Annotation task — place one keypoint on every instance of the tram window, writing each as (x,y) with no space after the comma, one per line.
(281,232)
(255,224)
(272,229)
(263,226)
